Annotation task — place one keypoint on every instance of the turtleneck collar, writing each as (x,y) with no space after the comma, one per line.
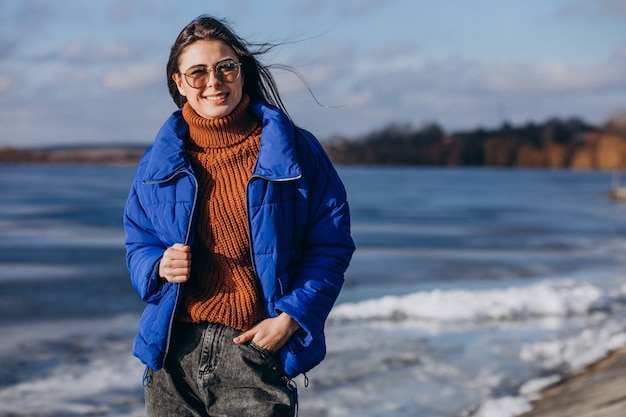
(223,132)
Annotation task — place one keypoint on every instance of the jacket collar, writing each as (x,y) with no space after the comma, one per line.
(167,155)
(277,157)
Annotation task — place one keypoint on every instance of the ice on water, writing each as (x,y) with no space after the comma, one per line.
(470,291)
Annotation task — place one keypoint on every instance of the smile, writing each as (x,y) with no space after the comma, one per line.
(218,97)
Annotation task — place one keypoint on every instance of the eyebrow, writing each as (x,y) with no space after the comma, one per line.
(197,66)
(210,66)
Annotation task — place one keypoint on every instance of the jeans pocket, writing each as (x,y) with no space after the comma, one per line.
(265,353)
(269,358)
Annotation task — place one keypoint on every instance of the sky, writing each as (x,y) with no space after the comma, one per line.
(93,72)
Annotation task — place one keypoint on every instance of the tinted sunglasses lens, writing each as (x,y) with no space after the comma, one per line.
(197,78)
(227,71)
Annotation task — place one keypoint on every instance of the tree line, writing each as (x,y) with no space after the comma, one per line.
(556,143)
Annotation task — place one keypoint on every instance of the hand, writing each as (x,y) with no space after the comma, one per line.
(270,334)
(175,265)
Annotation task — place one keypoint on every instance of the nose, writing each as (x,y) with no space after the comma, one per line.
(212,78)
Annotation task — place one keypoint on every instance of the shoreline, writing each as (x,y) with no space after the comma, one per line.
(597,391)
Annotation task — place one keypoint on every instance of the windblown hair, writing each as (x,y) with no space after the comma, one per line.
(259,83)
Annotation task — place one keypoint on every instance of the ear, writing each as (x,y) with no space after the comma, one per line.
(178,79)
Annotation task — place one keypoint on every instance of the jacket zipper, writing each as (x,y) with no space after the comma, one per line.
(187,237)
(253,177)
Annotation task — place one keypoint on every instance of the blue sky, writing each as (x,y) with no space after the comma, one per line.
(79,71)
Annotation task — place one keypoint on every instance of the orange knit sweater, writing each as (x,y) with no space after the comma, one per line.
(222,288)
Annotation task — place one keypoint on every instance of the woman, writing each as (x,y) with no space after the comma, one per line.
(237,236)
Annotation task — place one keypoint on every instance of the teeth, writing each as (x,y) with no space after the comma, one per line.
(215,98)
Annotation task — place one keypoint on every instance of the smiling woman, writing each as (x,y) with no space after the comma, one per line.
(237,236)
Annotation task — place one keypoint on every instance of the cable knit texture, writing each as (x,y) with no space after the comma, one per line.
(223,288)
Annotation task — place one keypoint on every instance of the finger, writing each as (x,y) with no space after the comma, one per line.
(181,247)
(173,254)
(244,337)
(170,269)
(178,272)
(176,275)
(178,279)
(177,263)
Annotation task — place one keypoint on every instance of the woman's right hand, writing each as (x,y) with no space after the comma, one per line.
(175,265)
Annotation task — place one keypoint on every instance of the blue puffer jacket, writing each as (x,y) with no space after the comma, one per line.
(299,233)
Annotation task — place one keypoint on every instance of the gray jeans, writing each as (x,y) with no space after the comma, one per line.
(206,374)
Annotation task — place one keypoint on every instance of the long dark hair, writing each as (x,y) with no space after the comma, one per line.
(258,81)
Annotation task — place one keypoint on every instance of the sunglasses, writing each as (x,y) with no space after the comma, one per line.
(226,71)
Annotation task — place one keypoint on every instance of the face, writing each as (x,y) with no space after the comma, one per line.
(216,99)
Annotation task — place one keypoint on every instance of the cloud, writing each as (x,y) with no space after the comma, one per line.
(552,76)
(620,53)
(343,9)
(458,91)
(398,75)
(324,69)
(594,9)
(21,23)
(134,76)
(6,82)
(81,66)
(116,50)
(354,8)
(75,50)
(121,116)
(122,10)
(7,47)
(129,11)
(399,49)
(90,52)
(34,13)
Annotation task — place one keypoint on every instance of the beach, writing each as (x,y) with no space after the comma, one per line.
(598,391)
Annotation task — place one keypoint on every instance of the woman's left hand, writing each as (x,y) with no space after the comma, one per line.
(270,334)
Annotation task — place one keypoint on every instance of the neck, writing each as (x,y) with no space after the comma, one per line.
(223,132)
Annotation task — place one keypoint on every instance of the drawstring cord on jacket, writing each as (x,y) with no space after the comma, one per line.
(147,377)
(293,386)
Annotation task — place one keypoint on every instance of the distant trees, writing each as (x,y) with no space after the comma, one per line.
(73,155)
(616,124)
(556,143)
(393,145)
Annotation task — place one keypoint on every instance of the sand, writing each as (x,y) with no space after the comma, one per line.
(598,391)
